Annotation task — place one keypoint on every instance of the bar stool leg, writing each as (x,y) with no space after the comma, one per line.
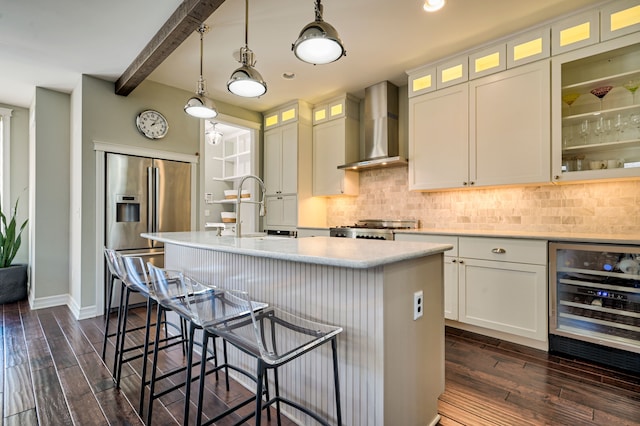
(123,335)
(107,309)
(147,331)
(118,330)
(187,382)
(259,381)
(203,371)
(154,365)
(334,349)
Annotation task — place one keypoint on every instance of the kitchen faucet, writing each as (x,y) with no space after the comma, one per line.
(263,208)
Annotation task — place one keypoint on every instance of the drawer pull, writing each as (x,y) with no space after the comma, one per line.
(498,251)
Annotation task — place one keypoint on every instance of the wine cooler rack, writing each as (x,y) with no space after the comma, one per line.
(595,296)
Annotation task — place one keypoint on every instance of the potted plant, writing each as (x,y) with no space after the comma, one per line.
(13,278)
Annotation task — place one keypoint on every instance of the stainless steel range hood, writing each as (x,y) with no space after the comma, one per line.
(380,129)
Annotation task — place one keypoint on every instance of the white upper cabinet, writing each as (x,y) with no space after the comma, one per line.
(439,139)
(488,61)
(530,47)
(575,32)
(619,18)
(336,133)
(452,72)
(491,131)
(597,137)
(509,129)
(422,81)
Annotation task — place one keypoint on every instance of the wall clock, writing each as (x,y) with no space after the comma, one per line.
(152,124)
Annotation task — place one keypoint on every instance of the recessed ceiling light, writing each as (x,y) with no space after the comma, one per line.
(433,5)
(288,75)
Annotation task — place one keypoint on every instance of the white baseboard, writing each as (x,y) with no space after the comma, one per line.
(64,299)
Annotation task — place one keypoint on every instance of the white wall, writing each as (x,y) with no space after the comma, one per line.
(19,174)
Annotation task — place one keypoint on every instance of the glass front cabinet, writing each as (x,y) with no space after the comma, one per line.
(595,296)
(596,111)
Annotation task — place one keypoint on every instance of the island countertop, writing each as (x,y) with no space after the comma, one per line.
(341,252)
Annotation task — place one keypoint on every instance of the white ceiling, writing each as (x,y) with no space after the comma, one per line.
(51,43)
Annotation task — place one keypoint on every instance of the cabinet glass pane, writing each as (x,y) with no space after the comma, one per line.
(601,112)
(597,294)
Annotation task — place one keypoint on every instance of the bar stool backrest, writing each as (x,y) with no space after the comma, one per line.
(170,289)
(137,275)
(114,263)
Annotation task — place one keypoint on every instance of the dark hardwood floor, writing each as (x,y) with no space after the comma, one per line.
(53,375)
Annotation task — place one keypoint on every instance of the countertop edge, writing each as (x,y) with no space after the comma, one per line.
(549,236)
(269,249)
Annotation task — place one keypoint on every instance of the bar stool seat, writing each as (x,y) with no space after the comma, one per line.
(274,337)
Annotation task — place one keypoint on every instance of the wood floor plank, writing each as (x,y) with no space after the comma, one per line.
(117,408)
(18,391)
(83,405)
(50,402)
(603,398)
(24,418)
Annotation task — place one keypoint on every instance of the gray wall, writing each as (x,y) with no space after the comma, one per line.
(107,117)
(49,194)
(53,167)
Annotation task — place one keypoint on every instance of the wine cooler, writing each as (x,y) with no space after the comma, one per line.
(595,303)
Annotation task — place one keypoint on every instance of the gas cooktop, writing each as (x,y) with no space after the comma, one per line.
(376,229)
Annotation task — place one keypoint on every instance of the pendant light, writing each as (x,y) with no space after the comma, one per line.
(199,106)
(318,42)
(246,81)
(212,135)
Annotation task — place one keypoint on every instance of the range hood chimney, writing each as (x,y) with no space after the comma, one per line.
(380,129)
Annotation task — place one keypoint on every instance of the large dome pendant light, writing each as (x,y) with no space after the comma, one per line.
(318,42)
(199,106)
(246,81)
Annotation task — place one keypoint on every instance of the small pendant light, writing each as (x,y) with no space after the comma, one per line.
(212,135)
(246,81)
(318,42)
(199,106)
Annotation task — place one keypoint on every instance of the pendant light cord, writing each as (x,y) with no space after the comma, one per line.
(246,23)
(201,30)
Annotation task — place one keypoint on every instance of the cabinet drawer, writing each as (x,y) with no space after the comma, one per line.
(504,249)
(433,239)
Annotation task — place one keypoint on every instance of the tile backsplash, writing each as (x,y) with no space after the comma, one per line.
(601,207)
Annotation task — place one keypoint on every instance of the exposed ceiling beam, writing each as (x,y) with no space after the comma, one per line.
(182,23)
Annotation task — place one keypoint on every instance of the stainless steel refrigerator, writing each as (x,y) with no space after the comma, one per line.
(145,195)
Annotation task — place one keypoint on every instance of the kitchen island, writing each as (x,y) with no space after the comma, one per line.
(391,367)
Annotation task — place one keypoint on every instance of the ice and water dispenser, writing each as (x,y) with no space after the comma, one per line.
(127,208)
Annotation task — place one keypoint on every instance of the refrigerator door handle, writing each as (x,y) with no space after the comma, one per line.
(150,200)
(156,196)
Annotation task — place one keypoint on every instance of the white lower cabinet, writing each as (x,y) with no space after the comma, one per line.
(497,284)
(281,211)
(450,268)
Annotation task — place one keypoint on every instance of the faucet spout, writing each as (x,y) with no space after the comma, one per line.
(263,208)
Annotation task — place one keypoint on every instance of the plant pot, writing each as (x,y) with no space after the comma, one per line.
(13,283)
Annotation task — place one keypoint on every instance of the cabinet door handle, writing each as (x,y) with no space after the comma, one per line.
(556,177)
(461,261)
(453,261)
(498,251)
(472,183)
(464,183)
